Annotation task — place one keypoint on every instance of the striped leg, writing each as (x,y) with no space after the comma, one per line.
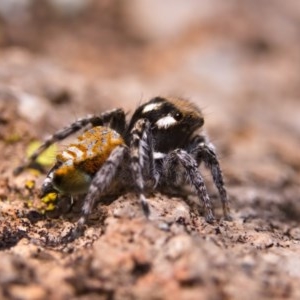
(205,152)
(141,153)
(100,183)
(115,117)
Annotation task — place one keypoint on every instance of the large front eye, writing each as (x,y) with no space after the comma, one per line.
(178,116)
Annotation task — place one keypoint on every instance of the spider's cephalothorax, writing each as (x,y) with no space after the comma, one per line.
(160,145)
(172,120)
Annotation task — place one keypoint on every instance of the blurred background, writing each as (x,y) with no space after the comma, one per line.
(238,60)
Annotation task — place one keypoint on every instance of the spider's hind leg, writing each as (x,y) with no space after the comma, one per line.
(115,118)
(100,183)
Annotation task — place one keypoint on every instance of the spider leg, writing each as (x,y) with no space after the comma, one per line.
(47,186)
(142,161)
(196,180)
(104,118)
(149,156)
(205,151)
(99,184)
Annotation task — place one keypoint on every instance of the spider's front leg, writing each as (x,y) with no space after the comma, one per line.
(142,161)
(190,166)
(101,181)
(202,150)
(115,118)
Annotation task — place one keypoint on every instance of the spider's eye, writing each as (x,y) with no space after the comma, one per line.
(178,116)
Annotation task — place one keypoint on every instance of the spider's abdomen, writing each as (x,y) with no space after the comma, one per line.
(79,162)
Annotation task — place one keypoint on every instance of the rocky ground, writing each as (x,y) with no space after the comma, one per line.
(240,68)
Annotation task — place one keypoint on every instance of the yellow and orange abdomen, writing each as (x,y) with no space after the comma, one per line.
(82,159)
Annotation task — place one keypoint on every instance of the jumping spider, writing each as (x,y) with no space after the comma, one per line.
(160,145)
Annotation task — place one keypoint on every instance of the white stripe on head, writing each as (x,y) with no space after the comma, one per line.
(152,106)
(165,122)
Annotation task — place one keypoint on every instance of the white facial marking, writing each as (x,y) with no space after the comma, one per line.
(158,155)
(151,106)
(165,122)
